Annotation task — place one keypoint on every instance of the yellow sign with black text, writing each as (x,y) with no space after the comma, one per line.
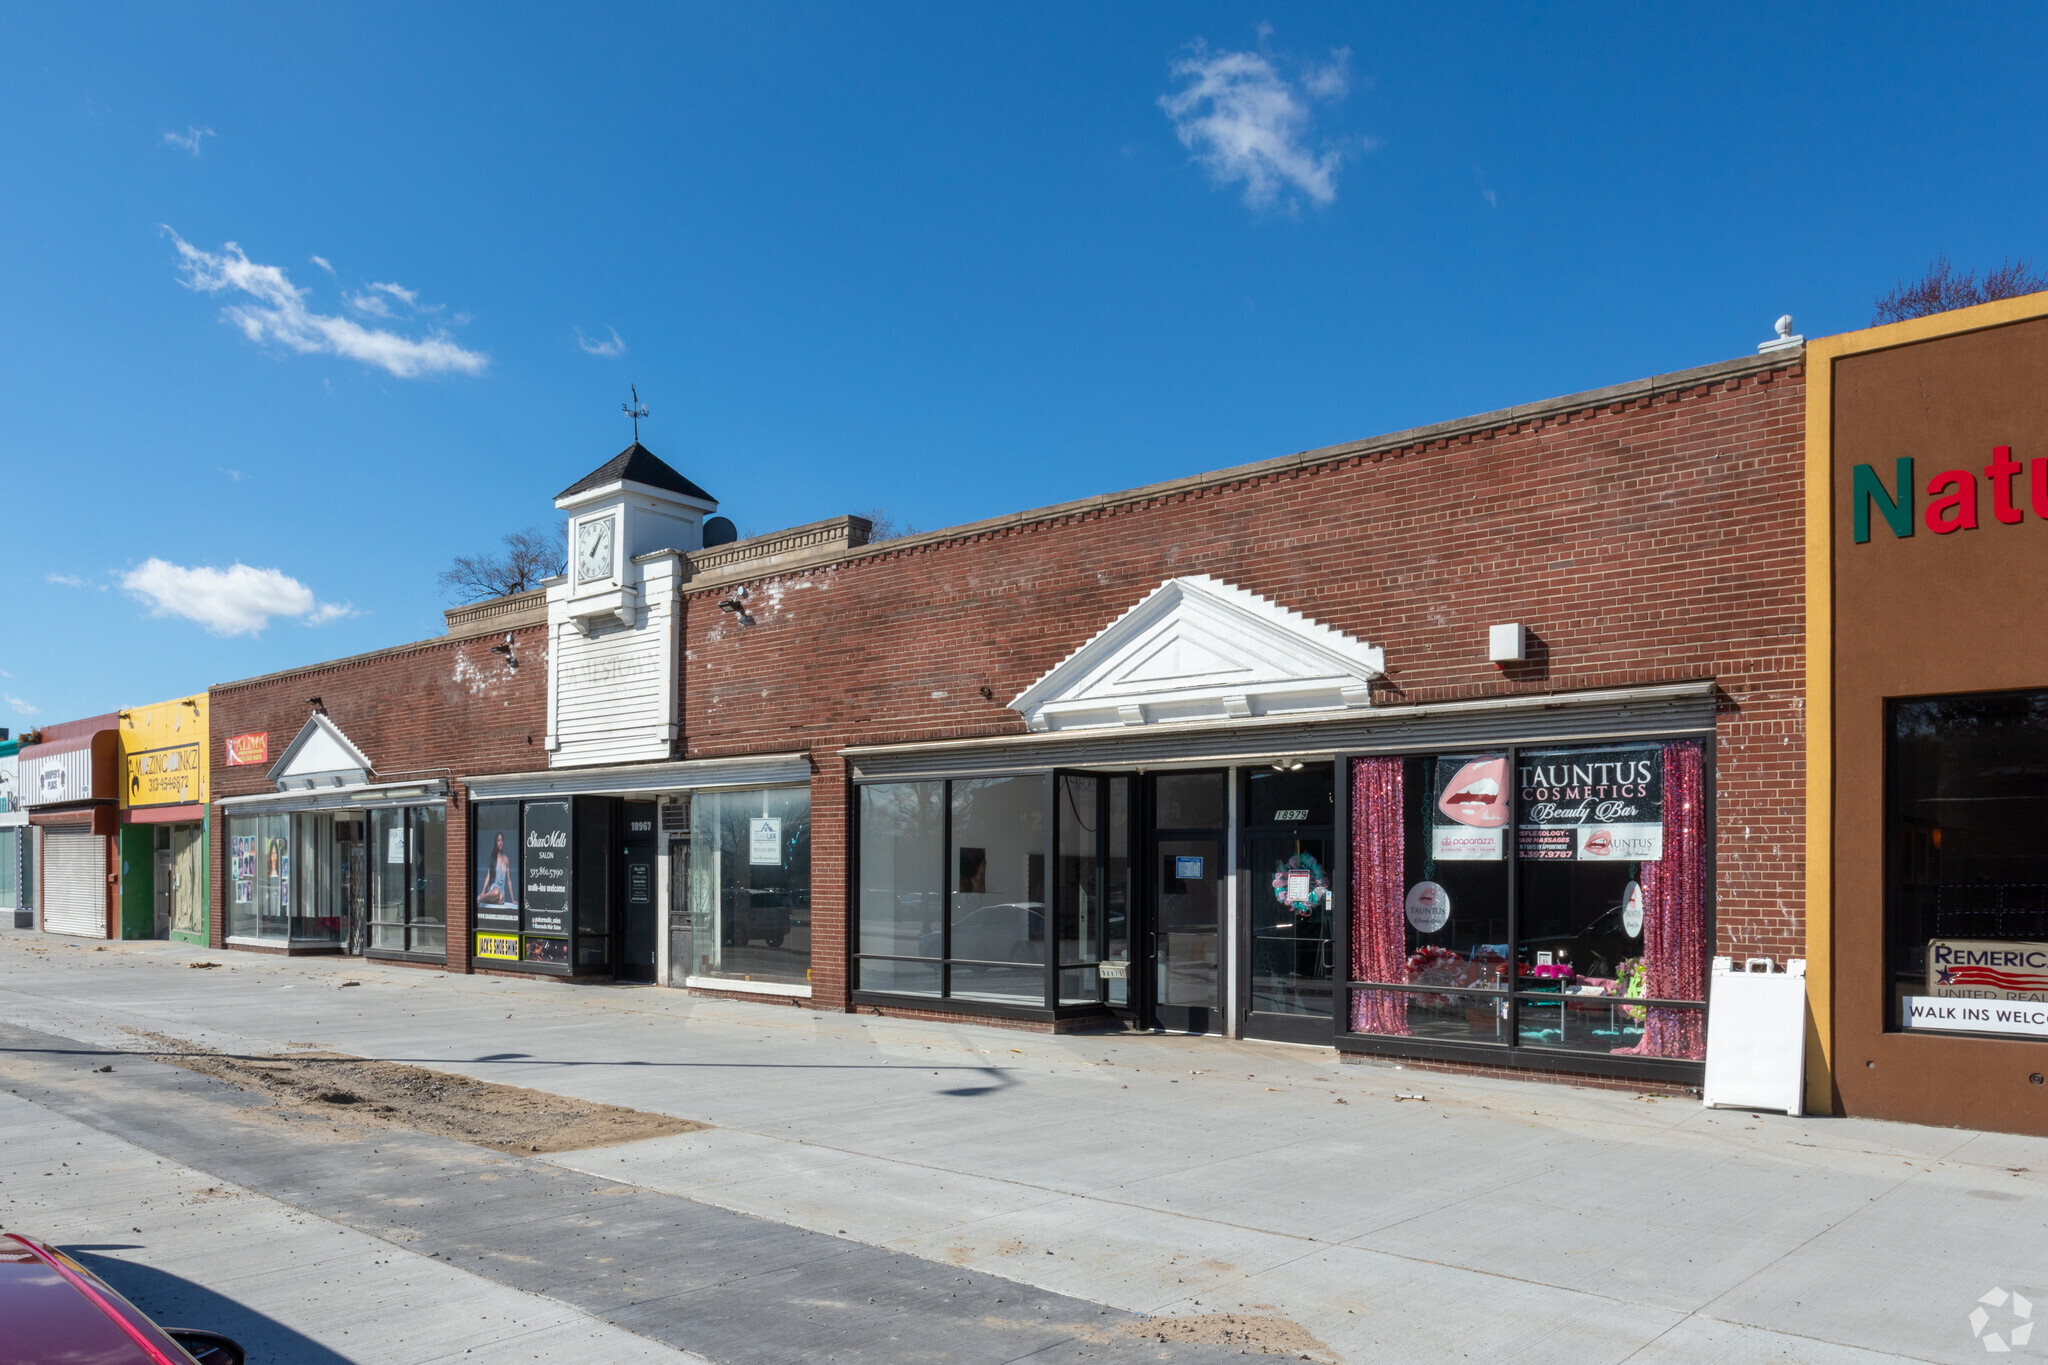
(164,753)
(498,947)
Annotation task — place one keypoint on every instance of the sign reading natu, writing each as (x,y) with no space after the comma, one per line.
(1952,497)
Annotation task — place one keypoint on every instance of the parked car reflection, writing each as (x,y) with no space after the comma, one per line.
(1013,931)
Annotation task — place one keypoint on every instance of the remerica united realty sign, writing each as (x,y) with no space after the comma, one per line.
(1954,501)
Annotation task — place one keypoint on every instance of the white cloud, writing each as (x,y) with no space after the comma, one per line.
(605,348)
(234,601)
(1245,122)
(323,263)
(331,611)
(189,140)
(22,708)
(1331,80)
(66,580)
(279,314)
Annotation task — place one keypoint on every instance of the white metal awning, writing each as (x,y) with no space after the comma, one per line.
(350,796)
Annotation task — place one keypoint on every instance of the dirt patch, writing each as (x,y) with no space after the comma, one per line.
(343,1089)
(1273,1336)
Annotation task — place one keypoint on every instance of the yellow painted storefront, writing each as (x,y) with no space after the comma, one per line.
(165,768)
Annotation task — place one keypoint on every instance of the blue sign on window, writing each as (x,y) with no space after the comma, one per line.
(1187,869)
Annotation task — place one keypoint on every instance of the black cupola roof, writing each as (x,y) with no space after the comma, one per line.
(636,464)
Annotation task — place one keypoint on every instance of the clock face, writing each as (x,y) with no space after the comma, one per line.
(594,550)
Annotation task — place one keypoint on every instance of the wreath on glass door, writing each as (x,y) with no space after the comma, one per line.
(1318,885)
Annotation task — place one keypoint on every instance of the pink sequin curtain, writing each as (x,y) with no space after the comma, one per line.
(1379,949)
(1674,914)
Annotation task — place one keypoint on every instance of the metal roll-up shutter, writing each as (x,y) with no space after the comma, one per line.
(74,882)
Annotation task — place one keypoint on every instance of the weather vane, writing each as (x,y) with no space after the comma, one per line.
(635,410)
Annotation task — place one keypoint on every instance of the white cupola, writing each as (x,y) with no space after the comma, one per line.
(634,504)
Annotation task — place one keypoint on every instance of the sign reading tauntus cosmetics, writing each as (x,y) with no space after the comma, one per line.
(545,846)
(1591,805)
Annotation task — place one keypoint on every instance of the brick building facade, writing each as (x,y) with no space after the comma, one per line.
(1333,612)
(439,709)
(1648,533)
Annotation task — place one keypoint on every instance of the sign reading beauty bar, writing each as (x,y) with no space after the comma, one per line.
(1592,805)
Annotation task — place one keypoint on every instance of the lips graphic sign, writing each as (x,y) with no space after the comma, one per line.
(1470,824)
(1591,806)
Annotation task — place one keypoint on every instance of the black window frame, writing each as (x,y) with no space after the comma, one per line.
(946,1002)
(1513,1053)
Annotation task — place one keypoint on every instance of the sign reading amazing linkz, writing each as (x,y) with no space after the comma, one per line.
(546,846)
(1592,805)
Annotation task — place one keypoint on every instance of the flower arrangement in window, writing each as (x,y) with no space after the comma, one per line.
(1435,965)
(1630,979)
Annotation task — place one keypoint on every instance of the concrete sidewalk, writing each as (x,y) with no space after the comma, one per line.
(193,1250)
(1496,1218)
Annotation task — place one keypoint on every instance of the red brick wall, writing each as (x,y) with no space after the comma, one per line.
(1652,539)
(443,708)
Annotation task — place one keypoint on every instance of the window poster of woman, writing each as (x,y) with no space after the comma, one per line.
(498,877)
(497,868)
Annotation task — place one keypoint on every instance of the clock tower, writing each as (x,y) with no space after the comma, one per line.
(612,676)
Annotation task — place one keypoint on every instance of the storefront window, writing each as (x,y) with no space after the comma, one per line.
(322,862)
(1966,905)
(408,854)
(996,867)
(259,877)
(902,887)
(750,885)
(1525,897)
(962,864)
(1078,892)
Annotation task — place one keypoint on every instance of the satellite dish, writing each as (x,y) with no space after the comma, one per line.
(720,531)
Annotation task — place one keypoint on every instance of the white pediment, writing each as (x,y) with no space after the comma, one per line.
(320,756)
(1198,648)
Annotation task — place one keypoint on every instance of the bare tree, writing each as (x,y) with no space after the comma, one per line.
(530,556)
(1943,288)
(882,526)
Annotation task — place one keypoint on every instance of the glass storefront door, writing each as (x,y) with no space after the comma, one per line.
(1289,927)
(1190,812)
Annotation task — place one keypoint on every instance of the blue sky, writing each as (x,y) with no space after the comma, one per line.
(948,260)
